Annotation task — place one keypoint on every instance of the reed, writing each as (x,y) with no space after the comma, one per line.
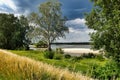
(14,67)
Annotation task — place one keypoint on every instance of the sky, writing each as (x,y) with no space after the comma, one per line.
(73,9)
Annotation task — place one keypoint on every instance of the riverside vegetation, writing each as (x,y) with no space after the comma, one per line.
(15,33)
(38,65)
(14,67)
(91,65)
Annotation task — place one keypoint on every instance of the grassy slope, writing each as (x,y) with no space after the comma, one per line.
(82,65)
(14,67)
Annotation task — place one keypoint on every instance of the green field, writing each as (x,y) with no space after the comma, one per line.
(80,65)
(15,67)
(30,64)
(95,67)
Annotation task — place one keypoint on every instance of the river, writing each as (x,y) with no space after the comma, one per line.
(54,46)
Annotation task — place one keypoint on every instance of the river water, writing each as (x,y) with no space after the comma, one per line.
(54,46)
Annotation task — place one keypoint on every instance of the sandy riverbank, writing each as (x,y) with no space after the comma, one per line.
(79,51)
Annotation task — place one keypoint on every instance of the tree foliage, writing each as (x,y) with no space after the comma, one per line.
(105,20)
(41,44)
(108,71)
(13,31)
(50,24)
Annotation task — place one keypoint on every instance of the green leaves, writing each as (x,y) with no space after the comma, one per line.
(13,31)
(105,20)
(107,72)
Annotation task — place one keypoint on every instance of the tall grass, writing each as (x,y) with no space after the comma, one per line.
(76,64)
(14,67)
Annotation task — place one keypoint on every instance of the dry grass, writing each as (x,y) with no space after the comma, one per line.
(14,67)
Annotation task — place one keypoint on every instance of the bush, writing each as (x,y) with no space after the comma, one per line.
(58,54)
(99,57)
(49,54)
(24,47)
(67,56)
(109,71)
(89,55)
(59,51)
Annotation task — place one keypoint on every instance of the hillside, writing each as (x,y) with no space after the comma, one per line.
(14,67)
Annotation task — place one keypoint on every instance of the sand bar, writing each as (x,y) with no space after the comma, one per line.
(79,51)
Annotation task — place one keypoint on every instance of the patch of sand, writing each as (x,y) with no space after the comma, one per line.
(79,51)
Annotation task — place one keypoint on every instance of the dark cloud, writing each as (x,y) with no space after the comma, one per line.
(70,8)
(27,5)
(75,8)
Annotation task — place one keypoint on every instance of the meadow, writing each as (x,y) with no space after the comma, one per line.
(75,64)
(34,65)
(95,66)
(83,65)
(14,67)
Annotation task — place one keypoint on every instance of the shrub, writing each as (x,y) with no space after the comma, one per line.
(25,47)
(58,54)
(67,56)
(49,54)
(99,57)
(59,51)
(89,55)
(109,71)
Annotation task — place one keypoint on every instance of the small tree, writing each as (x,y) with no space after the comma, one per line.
(50,25)
(105,20)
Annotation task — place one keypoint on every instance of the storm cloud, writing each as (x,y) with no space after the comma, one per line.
(70,8)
